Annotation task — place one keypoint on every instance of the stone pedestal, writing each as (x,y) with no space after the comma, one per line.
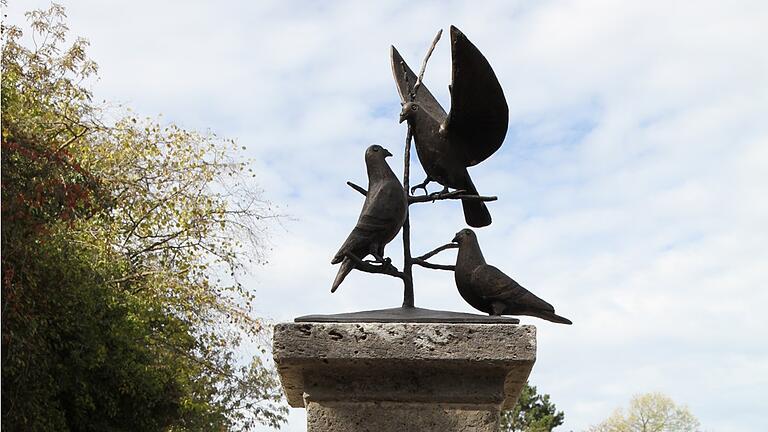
(403,377)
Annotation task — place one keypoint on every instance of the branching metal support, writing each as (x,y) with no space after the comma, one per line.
(439,196)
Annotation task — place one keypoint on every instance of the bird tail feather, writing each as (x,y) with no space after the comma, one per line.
(476,213)
(346,266)
(551,316)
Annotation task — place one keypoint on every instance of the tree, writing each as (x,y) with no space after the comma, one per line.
(532,413)
(122,247)
(650,412)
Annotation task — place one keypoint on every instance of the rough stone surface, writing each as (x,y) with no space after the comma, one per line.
(450,368)
(381,417)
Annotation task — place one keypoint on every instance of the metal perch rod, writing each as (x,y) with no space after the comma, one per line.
(408,300)
(439,196)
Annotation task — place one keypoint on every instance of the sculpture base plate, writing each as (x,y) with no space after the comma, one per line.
(407,315)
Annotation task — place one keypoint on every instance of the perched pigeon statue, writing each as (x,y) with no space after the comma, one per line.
(474,129)
(381,218)
(486,288)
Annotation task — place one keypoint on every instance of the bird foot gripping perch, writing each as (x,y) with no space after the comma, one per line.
(422,185)
(458,194)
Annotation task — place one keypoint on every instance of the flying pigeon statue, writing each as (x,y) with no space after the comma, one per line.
(447,144)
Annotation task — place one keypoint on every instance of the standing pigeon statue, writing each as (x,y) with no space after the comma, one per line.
(382,216)
(474,129)
(487,289)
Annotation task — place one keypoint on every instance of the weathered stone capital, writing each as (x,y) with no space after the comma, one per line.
(456,366)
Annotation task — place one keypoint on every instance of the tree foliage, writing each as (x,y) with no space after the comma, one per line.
(650,412)
(532,413)
(122,246)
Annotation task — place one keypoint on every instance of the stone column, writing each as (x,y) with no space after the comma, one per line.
(382,377)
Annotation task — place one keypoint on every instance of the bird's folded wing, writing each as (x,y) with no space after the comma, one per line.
(371,224)
(493,284)
(479,113)
(367,230)
(406,79)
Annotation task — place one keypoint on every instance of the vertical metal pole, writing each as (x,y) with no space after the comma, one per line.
(407,261)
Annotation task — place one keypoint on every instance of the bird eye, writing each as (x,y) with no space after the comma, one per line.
(375,149)
(414,107)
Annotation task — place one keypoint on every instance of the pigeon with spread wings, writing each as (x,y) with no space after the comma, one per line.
(473,130)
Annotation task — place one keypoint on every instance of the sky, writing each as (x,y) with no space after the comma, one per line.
(631,184)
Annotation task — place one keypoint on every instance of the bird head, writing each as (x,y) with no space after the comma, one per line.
(409,109)
(463,235)
(377,151)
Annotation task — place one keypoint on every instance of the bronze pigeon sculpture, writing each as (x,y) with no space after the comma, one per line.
(473,130)
(488,289)
(381,218)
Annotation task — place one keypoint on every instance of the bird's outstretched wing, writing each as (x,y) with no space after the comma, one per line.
(494,285)
(479,113)
(406,79)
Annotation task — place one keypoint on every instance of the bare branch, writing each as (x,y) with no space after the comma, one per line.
(164,239)
(424,63)
(136,276)
(429,265)
(457,194)
(357,188)
(144,274)
(72,139)
(436,251)
(385,268)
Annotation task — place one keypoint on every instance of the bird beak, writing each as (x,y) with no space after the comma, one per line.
(387,153)
(403,114)
(456,238)
(402,117)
